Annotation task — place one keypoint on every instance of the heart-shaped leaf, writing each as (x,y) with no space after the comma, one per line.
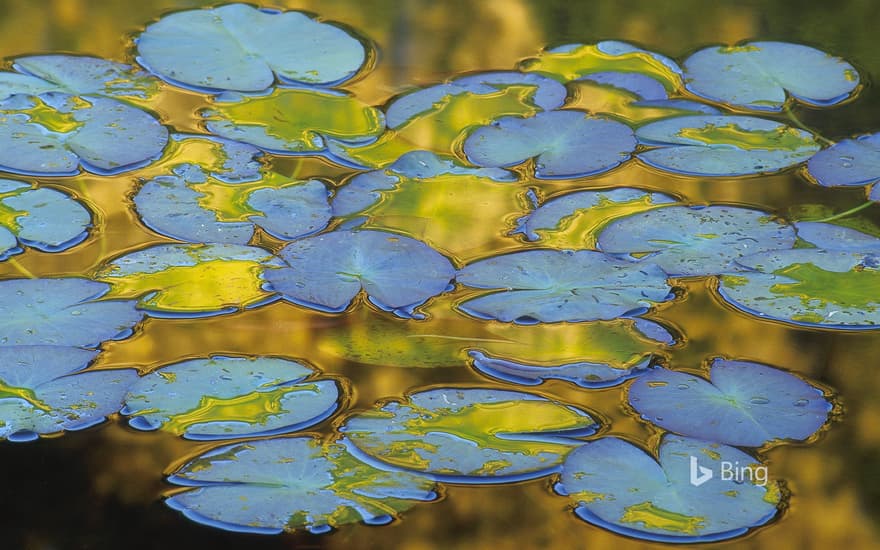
(327,271)
(285,484)
(744,404)
(556,140)
(230,397)
(848,163)
(549,286)
(43,392)
(687,241)
(42,218)
(757,75)
(239,47)
(470,435)
(711,145)
(56,134)
(620,487)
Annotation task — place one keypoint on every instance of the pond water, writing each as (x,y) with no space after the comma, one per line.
(105,486)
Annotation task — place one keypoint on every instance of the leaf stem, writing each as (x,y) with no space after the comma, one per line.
(20,268)
(845,213)
(800,124)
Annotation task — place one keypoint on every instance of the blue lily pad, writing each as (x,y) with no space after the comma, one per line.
(836,237)
(607,204)
(711,145)
(327,271)
(811,287)
(367,189)
(757,75)
(556,140)
(549,286)
(195,208)
(548,94)
(62,312)
(584,374)
(469,435)
(744,404)
(42,218)
(286,484)
(687,241)
(54,134)
(76,75)
(42,391)
(230,397)
(238,47)
(847,163)
(618,486)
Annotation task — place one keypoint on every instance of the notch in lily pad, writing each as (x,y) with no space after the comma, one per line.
(648,495)
(246,49)
(724,145)
(42,218)
(469,434)
(743,403)
(557,140)
(326,272)
(231,397)
(43,391)
(761,76)
(287,484)
(551,286)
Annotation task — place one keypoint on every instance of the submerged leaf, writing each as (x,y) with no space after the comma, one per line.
(744,404)
(238,47)
(327,271)
(42,390)
(557,140)
(470,435)
(689,240)
(285,484)
(618,486)
(230,397)
(810,287)
(707,145)
(549,286)
(56,134)
(191,280)
(757,75)
(62,312)
(43,218)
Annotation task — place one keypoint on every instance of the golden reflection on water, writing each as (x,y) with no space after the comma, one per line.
(834,482)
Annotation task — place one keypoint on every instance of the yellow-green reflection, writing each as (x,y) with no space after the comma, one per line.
(598,98)
(781,137)
(8,391)
(653,517)
(856,289)
(9,216)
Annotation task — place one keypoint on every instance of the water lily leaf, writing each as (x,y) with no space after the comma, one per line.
(809,287)
(238,47)
(62,312)
(42,390)
(470,435)
(743,404)
(584,374)
(327,271)
(847,163)
(447,341)
(549,286)
(191,280)
(77,75)
(706,145)
(557,140)
(618,486)
(757,75)
(601,96)
(689,240)
(230,397)
(573,220)
(54,134)
(285,484)
(294,120)
(204,209)
(836,237)
(42,218)
(577,61)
